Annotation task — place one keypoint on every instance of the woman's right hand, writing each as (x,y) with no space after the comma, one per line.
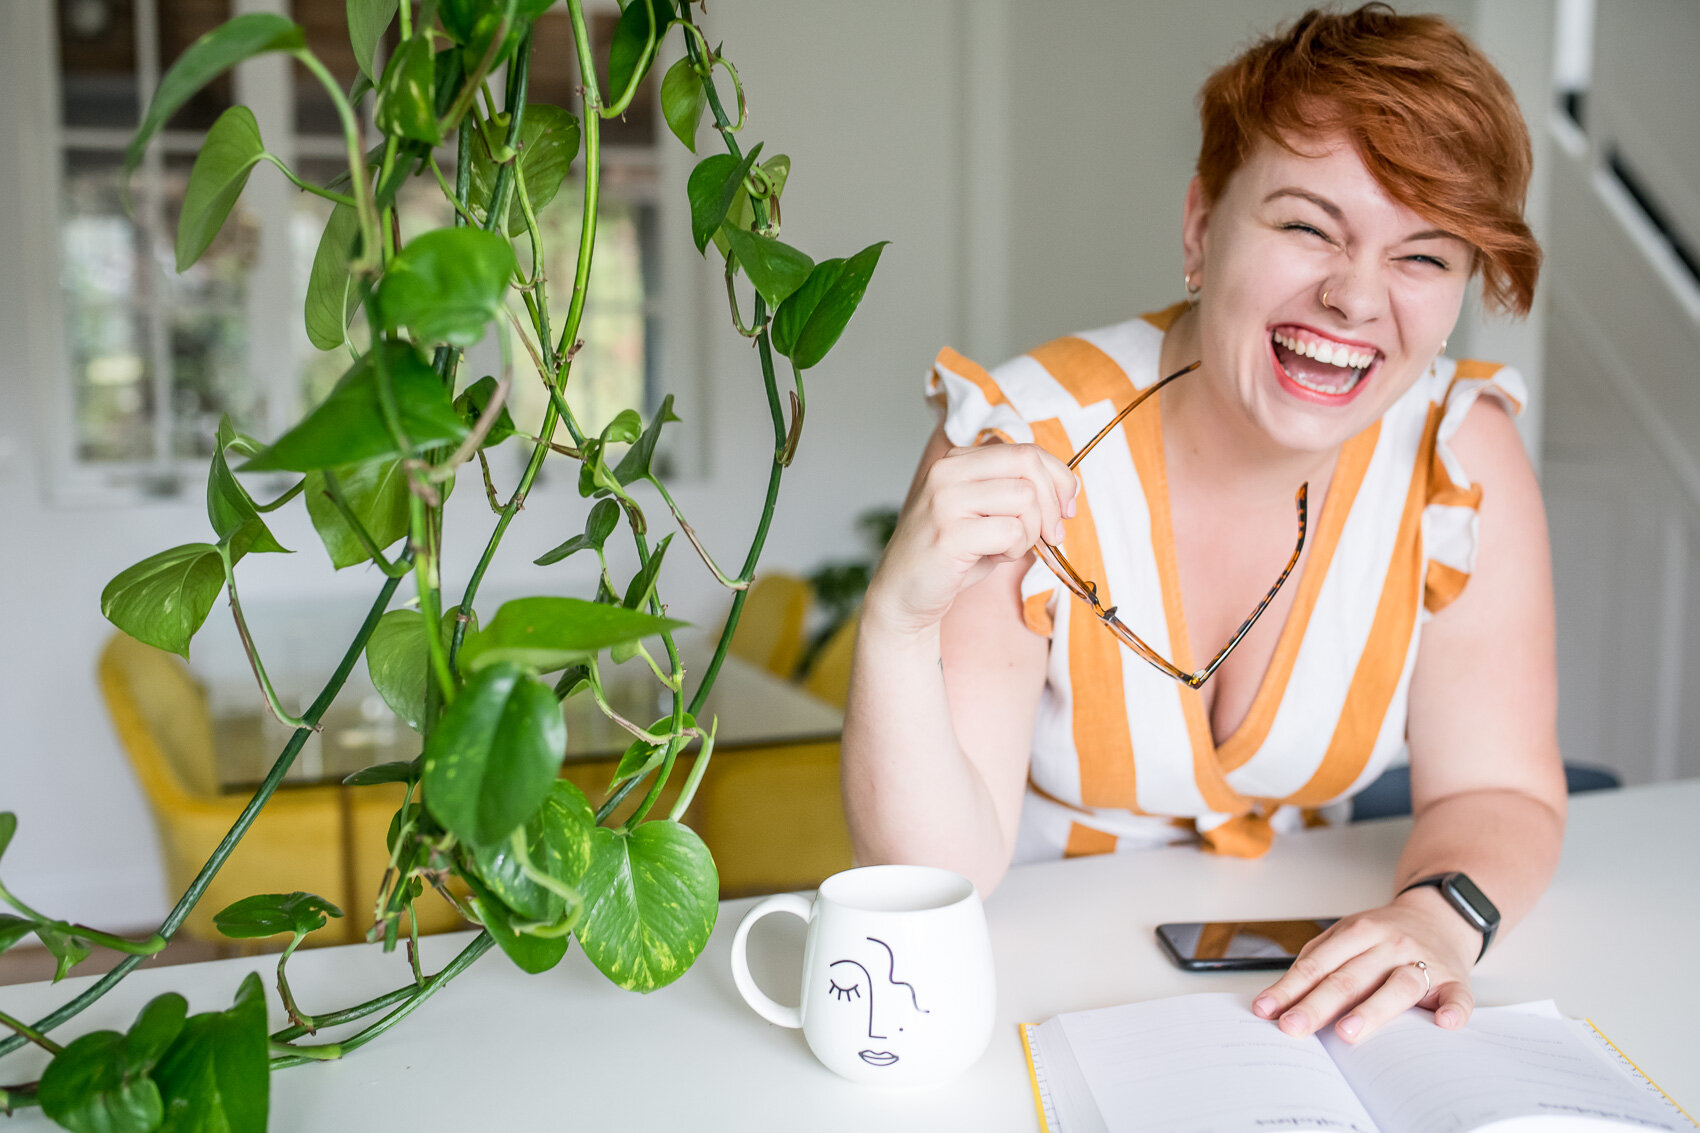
(969,511)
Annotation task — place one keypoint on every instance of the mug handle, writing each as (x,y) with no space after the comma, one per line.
(768,1008)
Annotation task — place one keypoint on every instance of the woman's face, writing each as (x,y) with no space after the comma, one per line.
(1322,299)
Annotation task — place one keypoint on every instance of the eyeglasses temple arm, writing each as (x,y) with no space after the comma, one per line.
(1301,503)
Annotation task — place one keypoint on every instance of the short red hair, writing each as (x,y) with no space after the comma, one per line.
(1433,121)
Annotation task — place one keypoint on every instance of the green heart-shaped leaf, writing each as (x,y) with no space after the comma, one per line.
(557,840)
(8,828)
(407,96)
(68,951)
(552,633)
(154,1030)
(398,658)
(446,285)
(776,269)
(88,1089)
(376,492)
(493,754)
(348,426)
(215,1077)
(640,757)
(332,297)
(631,35)
(635,464)
(808,324)
(267,914)
(230,509)
(642,585)
(13,929)
(548,142)
(368,20)
(597,527)
(653,896)
(472,402)
(225,46)
(531,954)
(398,771)
(229,154)
(682,102)
(165,598)
(742,214)
(711,187)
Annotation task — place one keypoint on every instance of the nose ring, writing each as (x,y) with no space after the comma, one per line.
(1325,296)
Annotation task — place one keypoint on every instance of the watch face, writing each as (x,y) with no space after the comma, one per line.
(1463,890)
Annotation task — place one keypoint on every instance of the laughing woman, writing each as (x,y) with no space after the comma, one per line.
(1038,671)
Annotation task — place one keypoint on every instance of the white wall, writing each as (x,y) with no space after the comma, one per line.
(1027,161)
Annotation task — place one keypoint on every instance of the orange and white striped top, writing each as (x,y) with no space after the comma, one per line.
(1122,756)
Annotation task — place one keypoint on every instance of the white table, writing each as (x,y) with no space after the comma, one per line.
(1614,939)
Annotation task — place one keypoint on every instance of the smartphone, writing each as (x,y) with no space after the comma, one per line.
(1237,946)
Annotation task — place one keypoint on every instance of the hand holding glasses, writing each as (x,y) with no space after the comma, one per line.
(1087,590)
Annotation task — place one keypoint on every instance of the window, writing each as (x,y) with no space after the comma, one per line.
(155,358)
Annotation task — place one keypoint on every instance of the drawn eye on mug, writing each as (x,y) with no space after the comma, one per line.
(887,1008)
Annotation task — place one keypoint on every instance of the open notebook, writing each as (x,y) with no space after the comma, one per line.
(1205,1062)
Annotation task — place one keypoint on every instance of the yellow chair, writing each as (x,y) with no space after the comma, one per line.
(296,842)
(770,628)
(774,816)
(828,677)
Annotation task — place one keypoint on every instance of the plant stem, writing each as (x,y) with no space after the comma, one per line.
(694,779)
(298,1055)
(764,347)
(179,912)
(638,71)
(363,205)
(575,313)
(691,534)
(307,186)
(333,491)
(31,1034)
(254,661)
(283,499)
(146,947)
(295,1013)
(443,183)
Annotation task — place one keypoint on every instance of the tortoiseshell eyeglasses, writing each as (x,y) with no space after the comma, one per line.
(1087,591)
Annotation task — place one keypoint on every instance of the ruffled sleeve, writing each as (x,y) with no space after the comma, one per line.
(975,407)
(1450,520)
(976,410)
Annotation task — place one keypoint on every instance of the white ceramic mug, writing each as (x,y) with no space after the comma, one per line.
(898,987)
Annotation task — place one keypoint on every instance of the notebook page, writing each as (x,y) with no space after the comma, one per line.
(1206,1064)
(1507,1062)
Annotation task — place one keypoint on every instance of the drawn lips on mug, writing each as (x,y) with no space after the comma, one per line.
(889,1001)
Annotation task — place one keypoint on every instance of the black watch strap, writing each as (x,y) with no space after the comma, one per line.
(1467,899)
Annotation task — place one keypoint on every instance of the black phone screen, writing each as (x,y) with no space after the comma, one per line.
(1238,945)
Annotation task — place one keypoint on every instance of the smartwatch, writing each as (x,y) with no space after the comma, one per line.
(1470,902)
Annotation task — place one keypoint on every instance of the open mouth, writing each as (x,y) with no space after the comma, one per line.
(1326,368)
(877,1057)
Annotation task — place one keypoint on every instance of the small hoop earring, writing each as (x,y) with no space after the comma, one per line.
(1443,343)
(1192,289)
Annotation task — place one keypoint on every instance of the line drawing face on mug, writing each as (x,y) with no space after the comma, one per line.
(889,1003)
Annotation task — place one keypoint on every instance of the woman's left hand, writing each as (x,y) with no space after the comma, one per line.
(1364,968)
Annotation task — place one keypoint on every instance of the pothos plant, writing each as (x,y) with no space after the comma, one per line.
(485,813)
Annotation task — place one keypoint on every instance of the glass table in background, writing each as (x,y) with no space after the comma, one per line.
(769,807)
(755,708)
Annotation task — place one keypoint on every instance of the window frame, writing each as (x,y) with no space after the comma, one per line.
(264,84)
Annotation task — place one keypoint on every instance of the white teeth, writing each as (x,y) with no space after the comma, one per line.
(1327,353)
